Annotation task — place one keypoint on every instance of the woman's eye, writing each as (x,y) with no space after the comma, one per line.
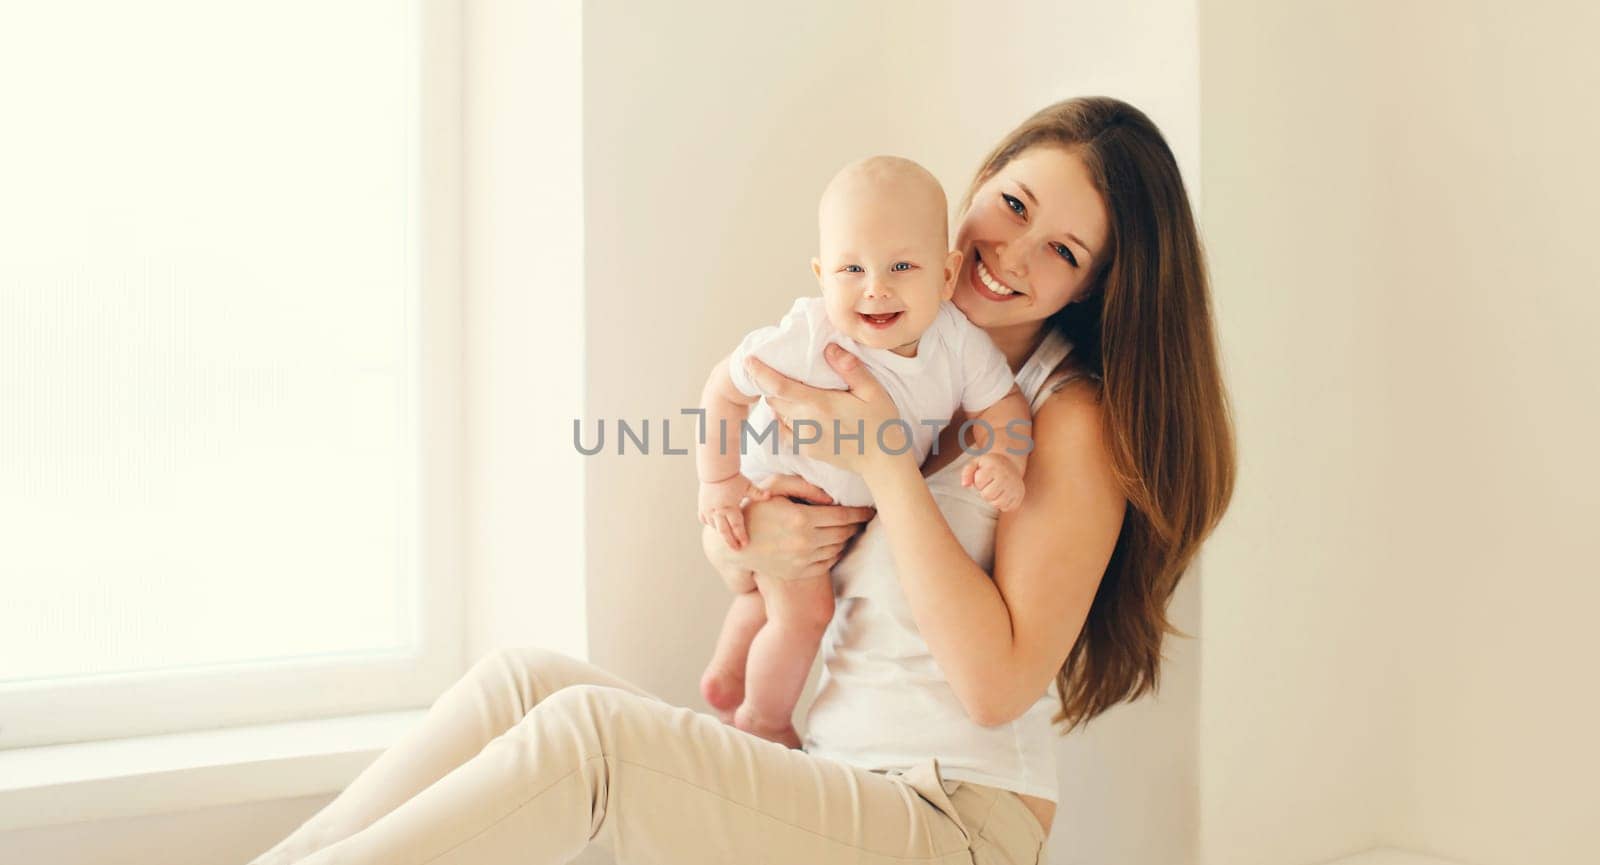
(1015,204)
(901,265)
(1064,252)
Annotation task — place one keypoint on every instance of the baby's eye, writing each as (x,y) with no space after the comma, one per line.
(852,268)
(901,265)
(1064,252)
(1015,204)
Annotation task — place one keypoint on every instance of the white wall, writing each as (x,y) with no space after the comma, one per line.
(1494,292)
(522,230)
(710,129)
(1397,608)
(1297,737)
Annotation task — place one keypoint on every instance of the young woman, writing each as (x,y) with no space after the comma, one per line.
(1083,263)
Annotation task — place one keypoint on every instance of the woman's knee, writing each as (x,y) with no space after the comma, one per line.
(537,673)
(518,664)
(593,709)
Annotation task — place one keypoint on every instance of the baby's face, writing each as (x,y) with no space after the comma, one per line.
(885,266)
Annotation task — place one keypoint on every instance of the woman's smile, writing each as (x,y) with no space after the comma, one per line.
(987,285)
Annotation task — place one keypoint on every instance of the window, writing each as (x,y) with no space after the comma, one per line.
(228,363)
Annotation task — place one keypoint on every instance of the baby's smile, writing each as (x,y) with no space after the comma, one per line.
(880,321)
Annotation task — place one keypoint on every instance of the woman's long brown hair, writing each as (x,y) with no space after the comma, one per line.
(1145,330)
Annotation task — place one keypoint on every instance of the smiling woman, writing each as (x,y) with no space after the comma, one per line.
(1081,215)
(1023,254)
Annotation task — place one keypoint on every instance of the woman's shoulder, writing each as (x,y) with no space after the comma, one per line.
(1071,376)
(1070,412)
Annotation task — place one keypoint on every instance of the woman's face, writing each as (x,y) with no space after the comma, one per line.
(1034,233)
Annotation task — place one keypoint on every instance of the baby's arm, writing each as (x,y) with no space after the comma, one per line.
(722,487)
(997,474)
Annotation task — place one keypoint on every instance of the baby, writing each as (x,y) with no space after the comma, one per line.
(886,272)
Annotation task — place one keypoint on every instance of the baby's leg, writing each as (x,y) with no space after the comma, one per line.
(722,684)
(798,611)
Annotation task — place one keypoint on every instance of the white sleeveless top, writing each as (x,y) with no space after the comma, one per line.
(883,702)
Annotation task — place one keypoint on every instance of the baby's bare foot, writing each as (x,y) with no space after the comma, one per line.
(781,732)
(723,691)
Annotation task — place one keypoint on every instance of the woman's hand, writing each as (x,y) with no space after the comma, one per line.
(788,540)
(870,428)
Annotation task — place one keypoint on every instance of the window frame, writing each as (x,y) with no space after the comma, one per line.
(94,707)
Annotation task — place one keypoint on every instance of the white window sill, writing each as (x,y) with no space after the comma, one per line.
(57,784)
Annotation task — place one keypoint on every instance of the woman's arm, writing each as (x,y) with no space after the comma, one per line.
(999,641)
(1002,641)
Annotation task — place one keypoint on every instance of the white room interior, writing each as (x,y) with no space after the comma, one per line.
(1389,625)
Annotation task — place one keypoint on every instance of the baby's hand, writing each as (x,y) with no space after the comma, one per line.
(721,504)
(997,477)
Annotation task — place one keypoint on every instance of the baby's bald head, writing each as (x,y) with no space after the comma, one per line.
(881,189)
(885,263)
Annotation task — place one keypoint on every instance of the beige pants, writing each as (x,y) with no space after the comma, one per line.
(533,755)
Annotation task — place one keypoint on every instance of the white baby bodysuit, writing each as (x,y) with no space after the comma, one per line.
(956,366)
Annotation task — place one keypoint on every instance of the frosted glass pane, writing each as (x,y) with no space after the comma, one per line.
(205,380)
